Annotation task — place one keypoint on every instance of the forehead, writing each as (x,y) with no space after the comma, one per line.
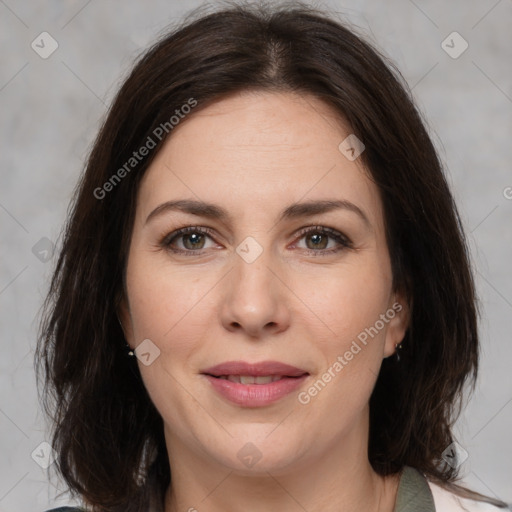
(258,148)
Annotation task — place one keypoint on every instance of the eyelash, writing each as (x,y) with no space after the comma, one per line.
(343,241)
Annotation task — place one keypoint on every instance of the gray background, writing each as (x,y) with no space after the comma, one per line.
(50,113)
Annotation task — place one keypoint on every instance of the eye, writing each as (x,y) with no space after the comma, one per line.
(321,240)
(187,240)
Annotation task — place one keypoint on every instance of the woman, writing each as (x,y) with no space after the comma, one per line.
(263,299)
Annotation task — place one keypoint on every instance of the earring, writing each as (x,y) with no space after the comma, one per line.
(131,352)
(398,347)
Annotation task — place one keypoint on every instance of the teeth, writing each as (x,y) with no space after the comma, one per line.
(249,379)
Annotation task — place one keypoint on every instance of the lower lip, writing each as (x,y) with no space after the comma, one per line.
(255,395)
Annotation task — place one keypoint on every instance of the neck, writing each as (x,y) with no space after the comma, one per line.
(340,478)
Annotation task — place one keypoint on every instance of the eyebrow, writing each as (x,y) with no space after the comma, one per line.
(294,211)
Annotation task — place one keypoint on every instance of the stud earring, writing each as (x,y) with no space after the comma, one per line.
(398,348)
(131,352)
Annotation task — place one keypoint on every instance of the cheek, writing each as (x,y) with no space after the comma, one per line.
(164,300)
(353,349)
(173,310)
(347,300)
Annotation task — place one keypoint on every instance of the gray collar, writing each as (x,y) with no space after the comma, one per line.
(414,493)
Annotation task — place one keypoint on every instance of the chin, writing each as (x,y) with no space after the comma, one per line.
(259,455)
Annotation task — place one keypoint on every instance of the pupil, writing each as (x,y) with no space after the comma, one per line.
(194,238)
(319,241)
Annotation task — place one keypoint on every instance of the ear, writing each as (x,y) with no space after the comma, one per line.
(125,319)
(399,315)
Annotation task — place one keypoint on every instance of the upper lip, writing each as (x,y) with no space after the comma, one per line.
(254,369)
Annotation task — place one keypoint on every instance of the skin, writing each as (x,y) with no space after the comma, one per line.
(255,154)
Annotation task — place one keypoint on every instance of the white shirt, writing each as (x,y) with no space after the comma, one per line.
(445,501)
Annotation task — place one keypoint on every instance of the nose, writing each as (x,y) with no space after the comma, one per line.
(255,299)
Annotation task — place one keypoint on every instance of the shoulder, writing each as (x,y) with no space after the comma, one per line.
(66,509)
(446,501)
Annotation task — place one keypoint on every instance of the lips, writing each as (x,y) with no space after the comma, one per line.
(261,369)
(254,384)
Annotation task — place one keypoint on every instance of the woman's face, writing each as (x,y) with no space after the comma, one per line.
(285,260)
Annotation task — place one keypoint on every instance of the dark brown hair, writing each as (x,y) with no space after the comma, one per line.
(106,431)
